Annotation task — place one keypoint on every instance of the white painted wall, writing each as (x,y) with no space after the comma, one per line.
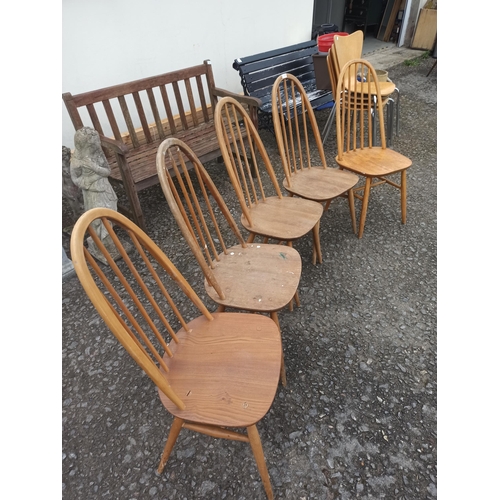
(107,42)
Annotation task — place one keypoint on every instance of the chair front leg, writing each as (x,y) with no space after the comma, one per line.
(172,438)
(255,443)
(403,196)
(316,245)
(364,207)
(350,197)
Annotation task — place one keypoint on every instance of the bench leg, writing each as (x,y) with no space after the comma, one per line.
(131,192)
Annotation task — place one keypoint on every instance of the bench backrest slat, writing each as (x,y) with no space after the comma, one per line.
(259,72)
(204,108)
(132,114)
(156,114)
(128,121)
(192,107)
(142,117)
(95,119)
(180,105)
(111,119)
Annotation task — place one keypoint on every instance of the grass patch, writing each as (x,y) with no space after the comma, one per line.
(417,60)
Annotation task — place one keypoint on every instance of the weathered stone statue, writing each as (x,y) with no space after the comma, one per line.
(90,171)
(70,190)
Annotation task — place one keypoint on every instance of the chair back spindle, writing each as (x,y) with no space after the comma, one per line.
(297,134)
(358,95)
(247,161)
(194,199)
(133,299)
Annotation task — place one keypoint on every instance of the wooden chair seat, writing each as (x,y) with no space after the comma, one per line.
(320,184)
(226,370)
(374,162)
(261,277)
(284,219)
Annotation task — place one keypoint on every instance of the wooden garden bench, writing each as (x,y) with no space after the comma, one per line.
(259,72)
(134,118)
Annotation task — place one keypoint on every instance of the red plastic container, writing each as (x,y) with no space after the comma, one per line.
(326,41)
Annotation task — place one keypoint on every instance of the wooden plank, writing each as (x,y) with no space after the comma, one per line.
(385,19)
(392,18)
(426,30)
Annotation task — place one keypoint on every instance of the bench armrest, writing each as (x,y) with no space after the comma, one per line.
(244,99)
(253,103)
(114,145)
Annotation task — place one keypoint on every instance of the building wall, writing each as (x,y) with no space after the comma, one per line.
(114,41)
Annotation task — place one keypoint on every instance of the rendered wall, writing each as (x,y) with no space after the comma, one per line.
(106,42)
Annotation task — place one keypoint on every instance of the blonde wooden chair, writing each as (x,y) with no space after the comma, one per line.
(215,373)
(301,149)
(357,102)
(347,48)
(260,278)
(271,215)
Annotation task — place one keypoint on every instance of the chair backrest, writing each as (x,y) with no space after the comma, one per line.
(130,293)
(247,162)
(346,48)
(195,202)
(357,101)
(296,130)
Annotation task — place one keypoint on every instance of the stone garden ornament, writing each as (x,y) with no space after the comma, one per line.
(70,191)
(90,171)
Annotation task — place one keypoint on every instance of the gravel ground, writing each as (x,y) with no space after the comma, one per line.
(358,416)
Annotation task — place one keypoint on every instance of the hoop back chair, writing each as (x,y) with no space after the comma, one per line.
(246,276)
(347,48)
(209,362)
(301,149)
(357,103)
(265,211)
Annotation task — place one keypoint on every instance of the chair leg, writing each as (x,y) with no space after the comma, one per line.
(316,245)
(296,297)
(397,110)
(329,123)
(258,452)
(364,207)
(403,196)
(172,438)
(221,308)
(390,120)
(251,237)
(350,196)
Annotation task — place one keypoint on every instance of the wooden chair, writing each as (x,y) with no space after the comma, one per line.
(217,371)
(357,102)
(347,48)
(301,149)
(270,215)
(247,276)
